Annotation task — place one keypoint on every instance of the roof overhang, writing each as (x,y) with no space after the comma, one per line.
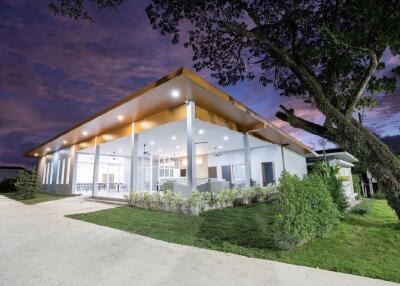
(156,98)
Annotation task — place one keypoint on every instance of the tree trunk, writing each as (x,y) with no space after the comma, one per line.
(382,163)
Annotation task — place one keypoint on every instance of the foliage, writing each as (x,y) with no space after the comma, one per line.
(353,246)
(7,185)
(304,210)
(334,184)
(26,184)
(362,208)
(196,202)
(357,185)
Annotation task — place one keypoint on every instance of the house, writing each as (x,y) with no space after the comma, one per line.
(179,133)
(345,161)
(9,172)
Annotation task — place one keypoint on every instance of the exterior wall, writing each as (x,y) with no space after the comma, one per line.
(295,163)
(64,186)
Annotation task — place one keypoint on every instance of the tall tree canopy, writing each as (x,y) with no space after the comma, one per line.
(327,52)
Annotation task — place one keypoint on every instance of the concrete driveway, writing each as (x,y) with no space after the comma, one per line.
(39,246)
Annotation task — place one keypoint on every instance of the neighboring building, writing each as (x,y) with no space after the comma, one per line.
(9,172)
(179,133)
(343,159)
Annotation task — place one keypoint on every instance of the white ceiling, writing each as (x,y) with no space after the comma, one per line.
(160,140)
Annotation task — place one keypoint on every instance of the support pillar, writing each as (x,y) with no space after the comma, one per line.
(96,169)
(191,145)
(134,160)
(247,163)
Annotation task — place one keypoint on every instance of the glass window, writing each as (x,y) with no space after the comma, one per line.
(239,174)
(58,172)
(68,170)
(62,171)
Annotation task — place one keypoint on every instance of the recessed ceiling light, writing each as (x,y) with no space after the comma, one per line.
(85,133)
(151,142)
(48,149)
(173,137)
(220,147)
(226,138)
(201,131)
(178,147)
(175,93)
(65,142)
(36,154)
(120,117)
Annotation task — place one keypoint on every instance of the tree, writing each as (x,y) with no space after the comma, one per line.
(26,184)
(327,53)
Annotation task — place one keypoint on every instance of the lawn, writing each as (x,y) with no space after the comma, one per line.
(363,245)
(40,197)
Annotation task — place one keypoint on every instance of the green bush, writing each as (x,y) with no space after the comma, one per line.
(7,186)
(362,208)
(334,184)
(303,210)
(357,185)
(26,184)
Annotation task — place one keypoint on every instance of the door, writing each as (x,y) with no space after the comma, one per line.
(227,173)
(212,172)
(267,169)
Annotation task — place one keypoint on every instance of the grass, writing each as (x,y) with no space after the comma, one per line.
(40,197)
(365,245)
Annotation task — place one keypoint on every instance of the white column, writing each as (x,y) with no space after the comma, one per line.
(191,145)
(134,160)
(247,163)
(96,169)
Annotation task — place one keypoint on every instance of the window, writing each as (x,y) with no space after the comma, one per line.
(227,173)
(44,174)
(239,174)
(68,170)
(51,173)
(58,172)
(48,173)
(62,171)
(268,175)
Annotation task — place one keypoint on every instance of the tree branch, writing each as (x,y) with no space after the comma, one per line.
(362,84)
(298,122)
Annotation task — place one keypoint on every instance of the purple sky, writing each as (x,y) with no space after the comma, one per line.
(55,72)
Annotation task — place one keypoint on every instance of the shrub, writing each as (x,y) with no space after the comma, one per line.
(334,184)
(7,185)
(362,208)
(357,185)
(303,210)
(26,184)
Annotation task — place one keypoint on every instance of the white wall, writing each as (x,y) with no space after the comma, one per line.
(66,187)
(295,163)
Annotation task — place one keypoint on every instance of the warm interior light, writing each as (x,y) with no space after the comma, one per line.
(36,154)
(173,137)
(108,137)
(48,149)
(65,142)
(120,117)
(175,93)
(226,138)
(85,133)
(201,131)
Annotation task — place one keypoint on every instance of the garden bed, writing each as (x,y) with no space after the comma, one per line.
(199,202)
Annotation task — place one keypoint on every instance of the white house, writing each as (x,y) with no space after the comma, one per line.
(179,133)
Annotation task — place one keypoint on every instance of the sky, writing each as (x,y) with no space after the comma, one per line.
(55,72)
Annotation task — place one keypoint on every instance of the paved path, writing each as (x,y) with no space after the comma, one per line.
(39,246)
